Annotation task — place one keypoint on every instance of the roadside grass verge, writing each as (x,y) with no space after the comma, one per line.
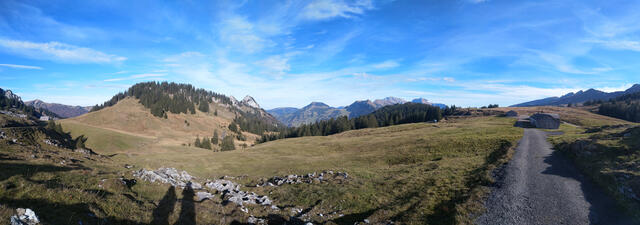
(606,150)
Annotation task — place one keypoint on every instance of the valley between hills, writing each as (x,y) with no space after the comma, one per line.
(124,163)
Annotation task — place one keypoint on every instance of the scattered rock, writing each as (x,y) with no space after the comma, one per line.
(308,178)
(253,220)
(165,175)
(55,143)
(24,217)
(235,195)
(128,166)
(223,185)
(203,195)
(195,185)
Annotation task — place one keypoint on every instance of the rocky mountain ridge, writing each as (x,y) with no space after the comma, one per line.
(579,97)
(62,110)
(317,111)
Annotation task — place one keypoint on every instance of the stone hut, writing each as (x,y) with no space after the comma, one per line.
(545,120)
(511,114)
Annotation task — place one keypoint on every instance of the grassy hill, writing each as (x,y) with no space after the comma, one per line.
(413,173)
(421,173)
(129,118)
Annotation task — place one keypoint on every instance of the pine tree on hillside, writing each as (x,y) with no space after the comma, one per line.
(227,143)
(197,143)
(203,106)
(205,143)
(214,139)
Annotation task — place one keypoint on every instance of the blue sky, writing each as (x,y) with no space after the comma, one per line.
(289,53)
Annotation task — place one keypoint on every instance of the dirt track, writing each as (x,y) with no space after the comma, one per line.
(540,186)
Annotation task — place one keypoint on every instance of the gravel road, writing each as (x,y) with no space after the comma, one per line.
(540,186)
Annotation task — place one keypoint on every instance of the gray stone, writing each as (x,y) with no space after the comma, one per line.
(24,217)
(235,195)
(166,176)
(203,195)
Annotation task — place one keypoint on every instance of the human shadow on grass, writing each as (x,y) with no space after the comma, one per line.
(165,207)
(188,207)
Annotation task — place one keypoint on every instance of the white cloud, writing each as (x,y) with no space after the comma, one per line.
(240,34)
(562,64)
(21,66)
(431,79)
(386,65)
(136,76)
(327,9)
(449,79)
(620,44)
(275,65)
(57,51)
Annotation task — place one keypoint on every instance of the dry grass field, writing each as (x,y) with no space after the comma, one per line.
(128,117)
(411,174)
(421,173)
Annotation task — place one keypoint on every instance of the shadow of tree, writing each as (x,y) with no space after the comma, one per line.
(57,213)
(28,170)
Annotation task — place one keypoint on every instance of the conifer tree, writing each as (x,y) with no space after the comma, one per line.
(227,143)
(214,139)
(197,143)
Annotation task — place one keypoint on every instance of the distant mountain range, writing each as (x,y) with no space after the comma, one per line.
(579,97)
(318,111)
(64,111)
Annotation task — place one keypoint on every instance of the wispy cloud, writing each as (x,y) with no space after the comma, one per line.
(136,76)
(619,44)
(386,64)
(276,65)
(240,34)
(327,9)
(21,66)
(57,51)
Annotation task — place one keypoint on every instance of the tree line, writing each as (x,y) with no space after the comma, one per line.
(164,97)
(226,144)
(386,116)
(254,123)
(626,107)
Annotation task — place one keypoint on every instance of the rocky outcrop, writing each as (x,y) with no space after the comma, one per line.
(249,101)
(10,95)
(64,111)
(231,192)
(228,190)
(24,217)
(203,195)
(168,176)
(308,178)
